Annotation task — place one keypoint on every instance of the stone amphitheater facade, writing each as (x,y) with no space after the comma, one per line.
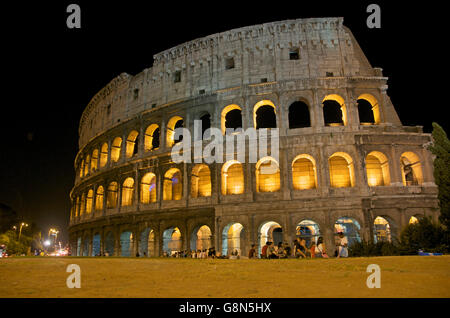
(345,174)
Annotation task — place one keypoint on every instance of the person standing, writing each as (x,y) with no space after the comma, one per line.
(264,250)
(343,246)
(252,252)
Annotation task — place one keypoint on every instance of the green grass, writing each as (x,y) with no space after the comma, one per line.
(401,276)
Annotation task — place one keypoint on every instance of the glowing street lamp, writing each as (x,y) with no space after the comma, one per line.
(21,225)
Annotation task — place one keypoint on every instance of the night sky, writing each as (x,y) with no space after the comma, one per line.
(52,72)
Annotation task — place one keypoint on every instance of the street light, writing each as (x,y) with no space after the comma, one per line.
(20,232)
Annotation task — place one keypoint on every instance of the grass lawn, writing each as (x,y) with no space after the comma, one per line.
(401,276)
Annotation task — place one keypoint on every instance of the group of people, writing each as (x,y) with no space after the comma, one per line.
(201,253)
(300,249)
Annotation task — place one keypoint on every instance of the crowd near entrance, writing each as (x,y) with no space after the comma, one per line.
(271,239)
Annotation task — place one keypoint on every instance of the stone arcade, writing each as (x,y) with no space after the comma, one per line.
(346,162)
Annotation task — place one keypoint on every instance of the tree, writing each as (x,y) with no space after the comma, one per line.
(8,217)
(441,149)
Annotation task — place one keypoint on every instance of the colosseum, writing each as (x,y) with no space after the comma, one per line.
(346,163)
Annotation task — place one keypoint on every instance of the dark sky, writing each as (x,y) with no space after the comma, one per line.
(53,72)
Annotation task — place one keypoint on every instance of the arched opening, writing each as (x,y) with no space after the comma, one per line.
(368,110)
(172,241)
(86,246)
(148,188)
(206,124)
(341,170)
(115,149)
(86,166)
(267,175)
(89,201)
(173,185)
(381,230)
(112,195)
(349,227)
(94,160)
(231,238)
(334,110)
(377,169)
(82,168)
(413,220)
(264,115)
(174,123)
(82,204)
(269,232)
(99,198)
(299,116)
(127,192)
(304,172)
(232,178)
(77,207)
(151,140)
(109,244)
(201,238)
(309,231)
(200,181)
(411,169)
(231,118)
(132,144)
(104,155)
(147,245)
(96,245)
(126,244)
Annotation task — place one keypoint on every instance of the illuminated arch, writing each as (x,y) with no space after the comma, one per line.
(126,244)
(86,166)
(115,149)
(308,230)
(411,169)
(349,227)
(272,113)
(82,204)
(201,181)
(377,169)
(269,232)
(201,238)
(226,122)
(329,108)
(77,207)
(374,107)
(171,126)
(132,144)
(94,160)
(304,174)
(231,238)
(341,170)
(82,169)
(381,229)
(89,201)
(147,245)
(172,240)
(127,192)
(104,155)
(99,198)
(112,195)
(151,140)
(173,185)
(232,178)
(267,175)
(148,188)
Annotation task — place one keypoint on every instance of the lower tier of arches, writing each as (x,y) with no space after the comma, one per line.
(236,228)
